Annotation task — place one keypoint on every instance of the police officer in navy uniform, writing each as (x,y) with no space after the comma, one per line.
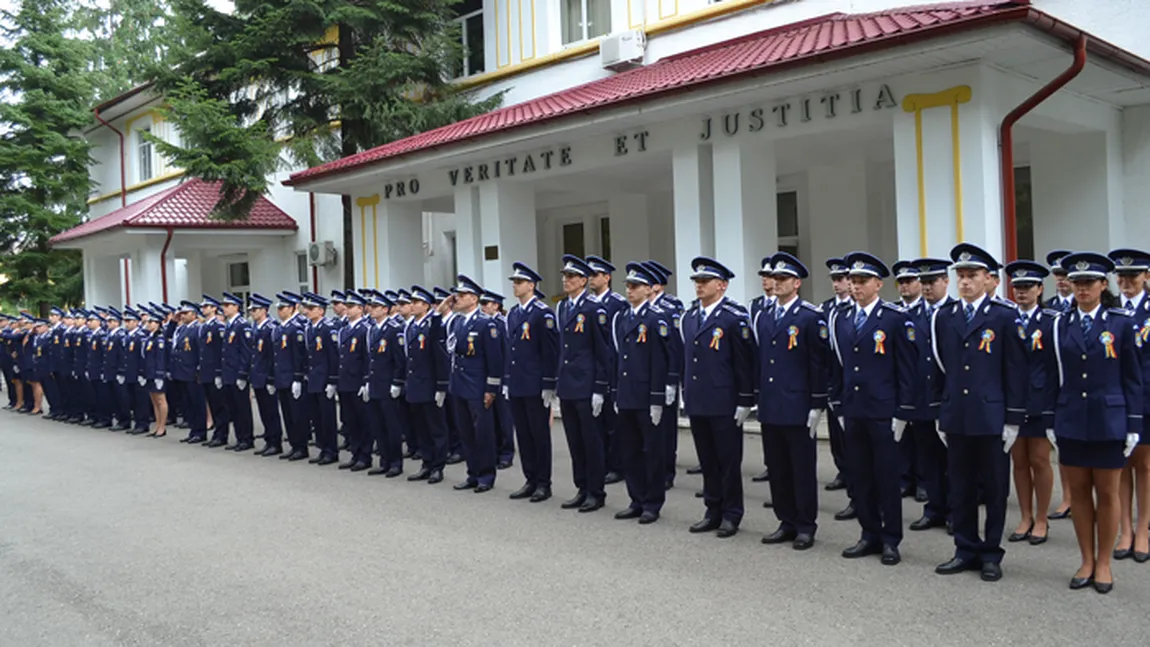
(764,301)
(235,368)
(640,335)
(1063,299)
(6,359)
(132,346)
(57,398)
(872,389)
(476,381)
(792,384)
(113,372)
(211,332)
(718,392)
(428,373)
(585,362)
(672,309)
(100,409)
(599,289)
(183,363)
(529,379)
(841,301)
(442,305)
(265,334)
(387,375)
(352,385)
(153,373)
(492,305)
(290,366)
(982,390)
(910,298)
(322,341)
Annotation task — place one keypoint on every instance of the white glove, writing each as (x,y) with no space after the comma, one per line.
(1053,440)
(219,382)
(87,375)
(296,390)
(670,393)
(741,415)
(395,391)
(596,404)
(120,380)
(506,393)
(548,397)
(16,370)
(142,381)
(898,426)
(159,385)
(271,389)
(656,414)
(365,392)
(329,391)
(942,437)
(440,396)
(813,420)
(241,384)
(842,423)
(1009,435)
(1131,442)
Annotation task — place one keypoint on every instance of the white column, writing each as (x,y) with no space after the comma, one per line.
(1074,208)
(146,280)
(837,222)
(269,266)
(89,277)
(630,233)
(468,244)
(746,214)
(691,170)
(507,226)
(1136,168)
(194,286)
(947,173)
(106,286)
(397,246)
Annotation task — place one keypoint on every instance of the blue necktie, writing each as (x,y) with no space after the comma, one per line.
(1129,304)
(779,312)
(1087,324)
(968,312)
(1025,321)
(860,319)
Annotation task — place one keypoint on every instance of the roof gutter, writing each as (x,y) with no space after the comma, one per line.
(123,173)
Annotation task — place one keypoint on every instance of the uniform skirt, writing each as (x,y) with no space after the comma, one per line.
(1098,455)
(152,387)
(1032,428)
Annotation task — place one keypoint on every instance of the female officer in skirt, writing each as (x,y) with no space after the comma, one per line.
(155,373)
(1097,411)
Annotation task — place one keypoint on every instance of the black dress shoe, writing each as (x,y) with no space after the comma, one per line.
(466,485)
(1103,587)
(1081,582)
(1123,553)
(926,523)
(1059,514)
(591,504)
(453,459)
(862,549)
(421,475)
(230,447)
(343,447)
(197,440)
(376,471)
(215,442)
(706,525)
(668,486)
(629,513)
(393,472)
(272,451)
(612,478)
(727,529)
(243,447)
(436,476)
(846,514)
(803,541)
(120,428)
(764,475)
(920,495)
(1016,537)
(408,454)
(991,572)
(359,467)
(541,494)
(297,455)
(502,465)
(346,466)
(698,469)
(575,502)
(482,487)
(1141,558)
(768,504)
(648,517)
(524,492)
(836,484)
(780,536)
(698,494)
(327,460)
(890,556)
(956,565)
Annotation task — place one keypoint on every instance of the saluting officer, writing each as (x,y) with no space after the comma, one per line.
(792,382)
(428,373)
(153,373)
(872,389)
(322,374)
(718,392)
(492,305)
(235,367)
(529,380)
(353,388)
(211,332)
(673,311)
(184,353)
(290,362)
(401,315)
(57,397)
(639,334)
(585,361)
(265,334)
(765,302)
(982,391)
(832,307)
(6,359)
(387,376)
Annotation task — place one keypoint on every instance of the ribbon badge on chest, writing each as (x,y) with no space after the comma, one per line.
(987,338)
(792,337)
(422,340)
(283,341)
(470,344)
(93,345)
(232,337)
(149,348)
(879,342)
(1144,332)
(526,331)
(353,340)
(382,345)
(319,342)
(209,337)
(642,339)
(131,347)
(579,319)
(1036,340)
(716,335)
(1107,339)
(187,345)
(260,346)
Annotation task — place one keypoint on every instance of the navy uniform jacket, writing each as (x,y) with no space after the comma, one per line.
(290,359)
(211,350)
(1037,336)
(96,342)
(57,357)
(322,355)
(873,377)
(585,357)
(718,361)
(388,365)
(428,367)
(642,352)
(611,301)
(759,304)
(5,350)
(354,360)
(170,330)
(113,354)
(131,348)
(673,310)
(792,374)
(41,350)
(926,404)
(155,357)
(1100,394)
(236,355)
(532,351)
(1141,315)
(264,338)
(983,370)
(184,353)
(477,363)
(80,351)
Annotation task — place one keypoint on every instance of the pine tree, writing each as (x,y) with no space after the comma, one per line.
(46,90)
(331,77)
(131,42)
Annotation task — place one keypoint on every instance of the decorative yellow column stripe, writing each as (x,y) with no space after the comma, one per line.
(522,54)
(674,13)
(916,103)
(363,203)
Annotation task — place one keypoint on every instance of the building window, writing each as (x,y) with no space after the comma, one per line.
(240,280)
(470,18)
(605,238)
(302,273)
(145,156)
(1024,212)
(585,19)
(573,239)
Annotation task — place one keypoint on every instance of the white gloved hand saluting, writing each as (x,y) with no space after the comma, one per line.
(329,391)
(670,395)
(656,414)
(296,390)
(898,426)
(741,415)
(596,404)
(395,391)
(1009,435)
(1131,443)
(548,397)
(440,397)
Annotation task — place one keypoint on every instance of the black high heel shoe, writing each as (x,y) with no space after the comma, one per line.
(1021,536)
(1123,553)
(1059,514)
(1077,583)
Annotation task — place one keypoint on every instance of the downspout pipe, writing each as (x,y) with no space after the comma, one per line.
(164,262)
(314,269)
(123,172)
(1006,143)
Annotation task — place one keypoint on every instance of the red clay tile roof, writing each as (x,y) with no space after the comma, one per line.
(185,206)
(817,39)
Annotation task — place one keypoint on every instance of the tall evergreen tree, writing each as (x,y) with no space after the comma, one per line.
(46,88)
(132,41)
(333,77)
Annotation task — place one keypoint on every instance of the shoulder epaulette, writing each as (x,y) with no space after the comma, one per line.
(657,310)
(736,309)
(1003,302)
(811,306)
(1121,311)
(893,306)
(1049,312)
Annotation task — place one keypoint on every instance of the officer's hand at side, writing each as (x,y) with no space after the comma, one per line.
(942,437)
(656,414)
(365,392)
(395,391)
(813,419)
(670,395)
(488,400)
(898,426)
(440,397)
(120,380)
(741,415)
(506,393)
(329,391)
(271,389)
(1131,443)
(548,397)
(219,382)
(296,390)
(1009,435)
(142,381)
(159,385)
(596,404)
(1052,438)
(241,384)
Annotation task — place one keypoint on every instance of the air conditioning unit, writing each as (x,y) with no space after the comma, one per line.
(321,254)
(623,50)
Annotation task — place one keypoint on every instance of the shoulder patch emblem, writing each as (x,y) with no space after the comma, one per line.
(746,332)
(662,330)
(1022,332)
(494,332)
(248,334)
(549,322)
(602,318)
(910,333)
(823,332)
(399,339)
(299,337)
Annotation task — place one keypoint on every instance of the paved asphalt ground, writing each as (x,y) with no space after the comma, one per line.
(107,539)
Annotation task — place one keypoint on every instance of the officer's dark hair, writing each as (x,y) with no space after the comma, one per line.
(1109,299)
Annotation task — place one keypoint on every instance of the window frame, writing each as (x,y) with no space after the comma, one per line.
(145,156)
(304,283)
(584,19)
(242,291)
(465,63)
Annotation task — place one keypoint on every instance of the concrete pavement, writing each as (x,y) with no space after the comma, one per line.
(107,539)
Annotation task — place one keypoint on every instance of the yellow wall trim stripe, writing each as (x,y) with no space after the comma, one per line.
(136,187)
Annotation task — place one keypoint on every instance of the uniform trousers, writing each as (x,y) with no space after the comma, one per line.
(84,395)
(141,405)
(975,460)
(322,410)
(269,418)
(218,405)
(238,403)
(612,451)
(504,430)
(669,430)
(195,409)
(355,427)
(123,403)
(931,462)
(719,445)
(641,445)
(534,433)
(176,398)
(838,443)
(454,445)
(908,457)
(383,418)
(409,426)
(104,405)
(585,441)
(874,459)
(296,419)
(431,427)
(52,393)
(791,459)
(9,386)
(476,424)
